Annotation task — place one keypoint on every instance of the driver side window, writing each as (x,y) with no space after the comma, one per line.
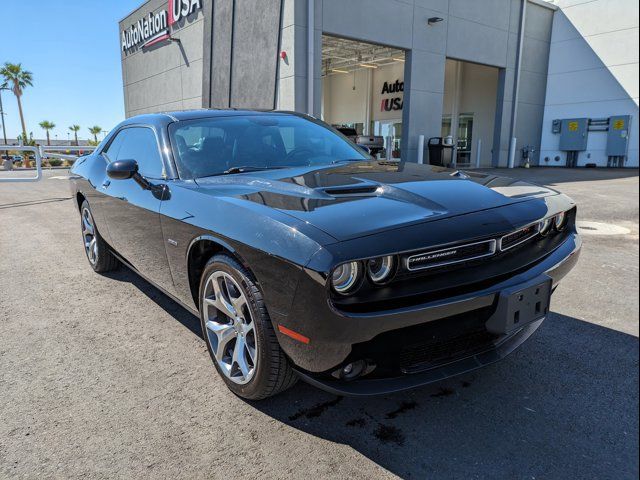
(288,139)
(139,144)
(111,152)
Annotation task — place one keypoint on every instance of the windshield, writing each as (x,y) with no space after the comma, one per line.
(232,144)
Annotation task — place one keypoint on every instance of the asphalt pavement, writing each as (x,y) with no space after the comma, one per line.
(105,377)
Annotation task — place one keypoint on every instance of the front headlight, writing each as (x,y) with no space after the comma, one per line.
(560,221)
(345,277)
(545,226)
(380,268)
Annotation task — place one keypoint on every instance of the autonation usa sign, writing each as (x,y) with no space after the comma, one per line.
(156,27)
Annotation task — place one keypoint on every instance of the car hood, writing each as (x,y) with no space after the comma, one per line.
(361,198)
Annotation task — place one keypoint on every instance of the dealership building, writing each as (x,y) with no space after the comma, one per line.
(556,82)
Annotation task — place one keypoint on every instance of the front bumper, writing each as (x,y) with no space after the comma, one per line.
(458,366)
(333,334)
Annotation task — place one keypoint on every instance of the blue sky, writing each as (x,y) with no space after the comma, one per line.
(72,48)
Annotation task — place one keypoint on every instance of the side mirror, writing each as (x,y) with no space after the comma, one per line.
(122,169)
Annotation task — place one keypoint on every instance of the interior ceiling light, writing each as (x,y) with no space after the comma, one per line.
(366,65)
(336,70)
(398,59)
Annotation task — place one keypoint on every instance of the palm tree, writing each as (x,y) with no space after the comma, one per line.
(95,130)
(46,125)
(75,129)
(17,80)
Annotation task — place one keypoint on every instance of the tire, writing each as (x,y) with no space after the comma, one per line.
(100,257)
(268,372)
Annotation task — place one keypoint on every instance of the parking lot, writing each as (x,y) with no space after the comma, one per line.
(105,377)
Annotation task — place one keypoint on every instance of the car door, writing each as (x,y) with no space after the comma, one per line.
(99,182)
(132,212)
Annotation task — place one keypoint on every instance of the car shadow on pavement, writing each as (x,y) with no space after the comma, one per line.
(564,405)
(177,311)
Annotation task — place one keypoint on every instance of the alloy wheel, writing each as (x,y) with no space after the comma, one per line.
(89,236)
(229,327)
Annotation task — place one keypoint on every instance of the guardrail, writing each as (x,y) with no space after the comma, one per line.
(39,152)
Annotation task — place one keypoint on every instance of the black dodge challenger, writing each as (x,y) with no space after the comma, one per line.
(306,258)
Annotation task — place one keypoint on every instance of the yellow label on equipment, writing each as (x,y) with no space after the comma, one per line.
(618,124)
(573,126)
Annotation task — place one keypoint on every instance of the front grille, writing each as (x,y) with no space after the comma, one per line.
(472,268)
(451,255)
(423,355)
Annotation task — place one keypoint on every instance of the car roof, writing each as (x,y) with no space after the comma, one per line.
(182,115)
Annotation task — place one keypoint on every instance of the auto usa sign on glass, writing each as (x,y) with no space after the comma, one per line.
(156,27)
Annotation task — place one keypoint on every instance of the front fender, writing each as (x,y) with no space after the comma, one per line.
(273,245)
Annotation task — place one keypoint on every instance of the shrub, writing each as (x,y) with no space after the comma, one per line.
(55,162)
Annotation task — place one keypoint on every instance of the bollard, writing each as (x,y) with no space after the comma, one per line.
(421,149)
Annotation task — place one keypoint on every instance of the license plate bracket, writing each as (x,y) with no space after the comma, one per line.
(521,305)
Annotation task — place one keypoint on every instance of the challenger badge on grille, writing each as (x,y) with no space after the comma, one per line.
(447,256)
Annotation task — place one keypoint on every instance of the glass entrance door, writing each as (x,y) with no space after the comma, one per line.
(465,136)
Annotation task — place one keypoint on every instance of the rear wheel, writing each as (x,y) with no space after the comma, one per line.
(98,254)
(238,331)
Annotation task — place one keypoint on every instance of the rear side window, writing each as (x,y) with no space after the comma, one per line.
(139,144)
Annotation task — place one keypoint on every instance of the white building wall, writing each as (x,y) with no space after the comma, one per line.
(593,73)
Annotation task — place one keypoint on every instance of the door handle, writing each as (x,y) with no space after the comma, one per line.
(106,183)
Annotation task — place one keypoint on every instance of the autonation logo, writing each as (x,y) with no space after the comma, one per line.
(155,27)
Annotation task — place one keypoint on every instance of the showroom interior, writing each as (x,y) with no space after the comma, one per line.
(362,88)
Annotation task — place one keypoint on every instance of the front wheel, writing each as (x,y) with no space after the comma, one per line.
(238,331)
(98,254)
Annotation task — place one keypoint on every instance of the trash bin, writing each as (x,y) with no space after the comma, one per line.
(437,147)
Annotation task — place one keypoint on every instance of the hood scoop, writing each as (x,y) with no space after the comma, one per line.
(389,192)
(354,191)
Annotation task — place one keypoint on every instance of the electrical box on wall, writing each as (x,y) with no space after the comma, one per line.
(618,136)
(573,134)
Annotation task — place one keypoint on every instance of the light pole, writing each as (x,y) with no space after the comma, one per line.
(2,114)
